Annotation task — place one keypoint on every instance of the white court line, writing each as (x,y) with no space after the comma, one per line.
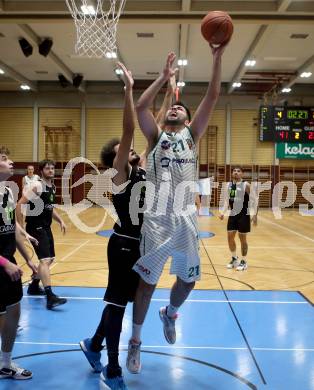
(287,229)
(179,347)
(69,254)
(188,300)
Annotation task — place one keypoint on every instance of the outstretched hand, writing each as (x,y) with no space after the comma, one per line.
(218,50)
(169,71)
(126,76)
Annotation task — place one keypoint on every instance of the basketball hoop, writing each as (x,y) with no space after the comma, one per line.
(96,28)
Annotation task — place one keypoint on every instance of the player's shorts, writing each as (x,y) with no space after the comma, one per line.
(178,238)
(45,250)
(11,292)
(240,223)
(122,252)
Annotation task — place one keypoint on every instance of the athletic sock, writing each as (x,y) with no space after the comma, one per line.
(6,359)
(136,331)
(234,254)
(100,334)
(171,311)
(244,258)
(49,292)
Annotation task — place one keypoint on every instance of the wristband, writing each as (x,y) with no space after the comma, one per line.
(3,261)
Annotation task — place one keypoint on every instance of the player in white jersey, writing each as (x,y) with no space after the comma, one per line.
(30,178)
(170,227)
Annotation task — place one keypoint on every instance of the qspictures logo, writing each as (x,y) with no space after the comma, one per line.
(299,150)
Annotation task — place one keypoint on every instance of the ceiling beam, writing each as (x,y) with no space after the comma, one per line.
(303,68)
(283,5)
(184,38)
(178,17)
(241,68)
(13,74)
(36,40)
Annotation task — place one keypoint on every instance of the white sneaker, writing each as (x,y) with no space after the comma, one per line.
(15,372)
(133,360)
(169,325)
(233,263)
(242,266)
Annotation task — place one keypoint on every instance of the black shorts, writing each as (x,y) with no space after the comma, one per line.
(240,223)
(122,280)
(45,248)
(11,292)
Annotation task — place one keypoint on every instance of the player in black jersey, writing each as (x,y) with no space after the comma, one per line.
(123,248)
(11,238)
(239,199)
(40,199)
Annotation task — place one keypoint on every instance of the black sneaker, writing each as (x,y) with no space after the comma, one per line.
(233,263)
(54,301)
(15,372)
(35,289)
(242,266)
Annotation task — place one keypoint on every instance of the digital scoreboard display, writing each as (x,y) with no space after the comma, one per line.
(287,124)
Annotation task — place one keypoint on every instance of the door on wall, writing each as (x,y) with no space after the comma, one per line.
(58,147)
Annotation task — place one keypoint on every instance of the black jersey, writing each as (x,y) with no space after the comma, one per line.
(238,198)
(122,205)
(47,197)
(7,224)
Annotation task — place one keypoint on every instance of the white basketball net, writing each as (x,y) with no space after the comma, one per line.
(96,28)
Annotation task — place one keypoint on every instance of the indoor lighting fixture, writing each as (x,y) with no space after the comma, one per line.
(183,62)
(180,83)
(286,90)
(250,63)
(306,74)
(119,71)
(25,87)
(1,71)
(88,10)
(236,85)
(111,54)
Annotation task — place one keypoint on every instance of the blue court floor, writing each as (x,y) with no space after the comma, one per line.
(225,341)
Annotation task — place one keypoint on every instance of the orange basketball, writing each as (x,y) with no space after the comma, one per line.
(217,27)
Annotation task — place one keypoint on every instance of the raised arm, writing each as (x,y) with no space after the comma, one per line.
(147,122)
(203,113)
(167,102)
(121,161)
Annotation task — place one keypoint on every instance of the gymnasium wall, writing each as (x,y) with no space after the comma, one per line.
(102,116)
(16,132)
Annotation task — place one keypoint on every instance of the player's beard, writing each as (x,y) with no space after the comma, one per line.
(174,122)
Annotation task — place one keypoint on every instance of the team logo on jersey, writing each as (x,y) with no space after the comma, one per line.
(189,142)
(165,145)
(165,161)
(9,214)
(142,269)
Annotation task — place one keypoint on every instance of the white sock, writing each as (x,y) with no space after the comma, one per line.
(136,332)
(6,359)
(171,310)
(234,254)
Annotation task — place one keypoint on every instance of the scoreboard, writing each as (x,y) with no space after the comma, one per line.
(287,124)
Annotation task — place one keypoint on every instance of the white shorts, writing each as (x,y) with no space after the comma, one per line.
(177,239)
